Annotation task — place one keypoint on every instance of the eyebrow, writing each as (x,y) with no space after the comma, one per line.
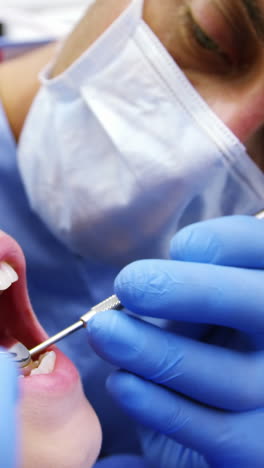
(256,16)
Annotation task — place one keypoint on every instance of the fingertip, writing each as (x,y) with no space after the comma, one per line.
(118,385)
(98,333)
(196,243)
(145,401)
(122,382)
(127,273)
(229,241)
(96,323)
(136,283)
(114,382)
(99,325)
(126,389)
(120,341)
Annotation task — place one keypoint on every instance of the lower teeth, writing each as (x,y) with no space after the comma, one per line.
(44,365)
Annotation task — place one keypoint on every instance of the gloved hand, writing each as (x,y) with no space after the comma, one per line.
(202,397)
(8,422)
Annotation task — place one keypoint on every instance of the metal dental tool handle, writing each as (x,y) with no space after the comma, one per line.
(112,303)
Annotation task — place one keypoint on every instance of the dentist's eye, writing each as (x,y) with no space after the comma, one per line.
(216,37)
(204,41)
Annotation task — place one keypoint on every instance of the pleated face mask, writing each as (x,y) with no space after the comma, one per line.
(120,151)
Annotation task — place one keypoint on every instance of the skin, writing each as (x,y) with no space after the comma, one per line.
(58,429)
(233,87)
(58,426)
(19,84)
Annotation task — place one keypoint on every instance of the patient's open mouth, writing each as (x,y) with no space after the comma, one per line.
(18,321)
(14,328)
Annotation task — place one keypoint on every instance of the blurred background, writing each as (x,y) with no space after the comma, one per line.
(27,20)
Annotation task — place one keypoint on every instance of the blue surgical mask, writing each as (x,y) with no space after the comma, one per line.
(120,151)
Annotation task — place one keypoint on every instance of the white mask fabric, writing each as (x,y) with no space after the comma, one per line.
(120,151)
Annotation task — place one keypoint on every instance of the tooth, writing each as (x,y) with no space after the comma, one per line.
(7,276)
(47,364)
(9,271)
(27,370)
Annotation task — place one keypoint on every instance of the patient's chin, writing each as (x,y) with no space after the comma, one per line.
(59,432)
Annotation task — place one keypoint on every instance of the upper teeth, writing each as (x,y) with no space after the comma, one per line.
(7,276)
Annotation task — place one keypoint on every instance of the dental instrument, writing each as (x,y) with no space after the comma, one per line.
(22,356)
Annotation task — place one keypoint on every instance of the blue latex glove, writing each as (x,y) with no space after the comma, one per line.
(8,423)
(121,461)
(202,397)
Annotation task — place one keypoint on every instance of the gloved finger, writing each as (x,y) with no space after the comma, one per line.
(225,439)
(194,292)
(231,241)
(8,422)
(121,461)
(189,423)
(212,375)
(163,452)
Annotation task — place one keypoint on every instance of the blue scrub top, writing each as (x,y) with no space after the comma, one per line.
(62,286)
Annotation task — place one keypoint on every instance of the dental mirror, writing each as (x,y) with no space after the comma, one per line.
(20,354)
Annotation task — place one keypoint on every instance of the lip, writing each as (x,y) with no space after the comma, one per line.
(17,319)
